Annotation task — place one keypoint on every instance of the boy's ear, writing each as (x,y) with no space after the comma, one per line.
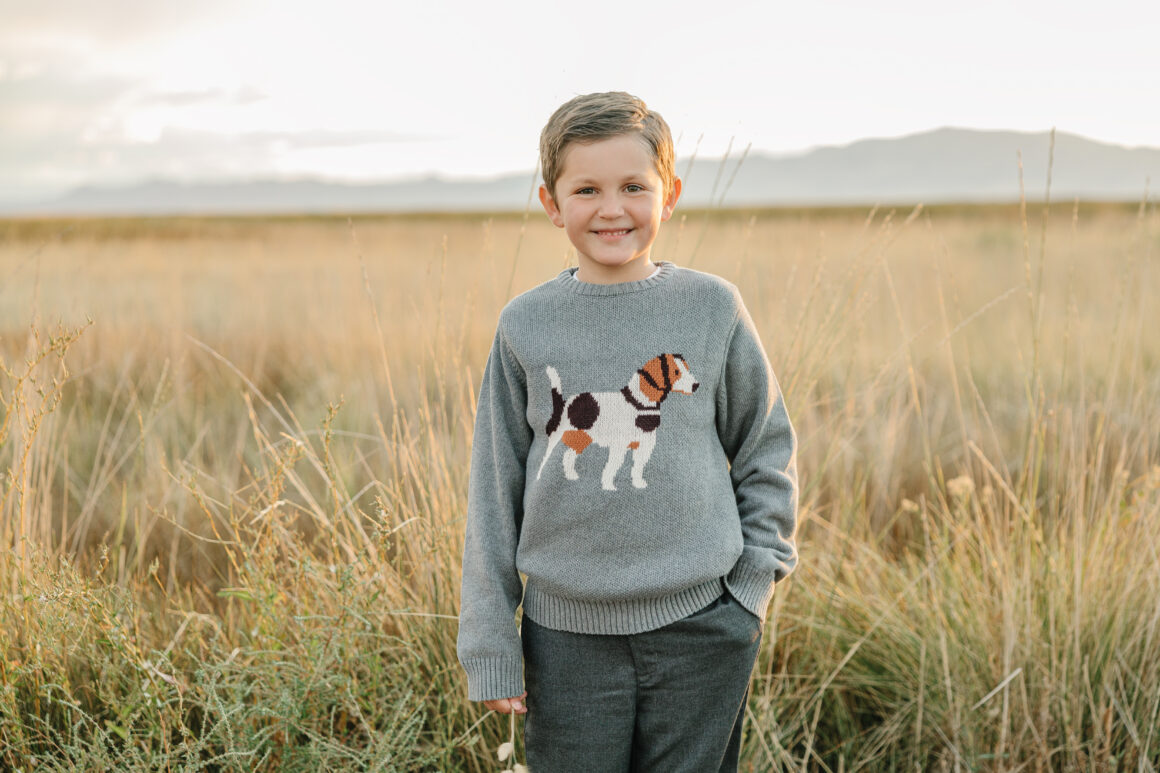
(671,201)
(550,207)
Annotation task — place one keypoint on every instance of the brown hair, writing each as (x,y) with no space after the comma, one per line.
(593,117)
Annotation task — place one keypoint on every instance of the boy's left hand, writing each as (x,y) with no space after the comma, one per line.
(508,705)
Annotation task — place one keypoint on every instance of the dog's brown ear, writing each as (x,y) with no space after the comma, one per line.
(654,383)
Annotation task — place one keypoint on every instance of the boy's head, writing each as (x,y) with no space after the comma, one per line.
(609,182)
(592,117)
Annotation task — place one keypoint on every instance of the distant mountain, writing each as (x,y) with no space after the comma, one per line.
(293,196)
(943,165)
(947,165)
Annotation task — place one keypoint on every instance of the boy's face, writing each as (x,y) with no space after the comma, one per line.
(610,201)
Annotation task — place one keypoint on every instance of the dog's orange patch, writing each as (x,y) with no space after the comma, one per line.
(577,440)
(634,445)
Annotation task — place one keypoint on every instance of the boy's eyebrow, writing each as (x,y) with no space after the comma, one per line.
(627,176)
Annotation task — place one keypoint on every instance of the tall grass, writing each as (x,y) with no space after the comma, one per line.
(233,501)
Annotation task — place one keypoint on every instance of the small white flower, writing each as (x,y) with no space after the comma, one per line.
(505,750)
(960,487)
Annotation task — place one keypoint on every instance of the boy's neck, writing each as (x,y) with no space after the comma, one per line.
(594,273)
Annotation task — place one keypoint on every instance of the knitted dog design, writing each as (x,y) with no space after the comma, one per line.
(619,421)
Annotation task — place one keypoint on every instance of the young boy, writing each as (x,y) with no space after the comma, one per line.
(634,460)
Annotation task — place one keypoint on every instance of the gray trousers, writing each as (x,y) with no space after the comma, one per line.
(668,700)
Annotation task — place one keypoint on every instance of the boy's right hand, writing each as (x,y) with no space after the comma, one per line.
(508,705)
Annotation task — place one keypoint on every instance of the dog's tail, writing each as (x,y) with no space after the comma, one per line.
(554,377)
(557,415)
(557,401)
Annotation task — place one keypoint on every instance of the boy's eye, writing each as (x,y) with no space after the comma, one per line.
(633,188)
(586,190)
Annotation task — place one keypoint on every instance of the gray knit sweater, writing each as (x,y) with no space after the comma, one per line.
(631,449)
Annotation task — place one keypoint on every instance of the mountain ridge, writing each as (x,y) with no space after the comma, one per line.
(942,165)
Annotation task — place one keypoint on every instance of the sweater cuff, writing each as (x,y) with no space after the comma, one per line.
(751,586)
(490,679)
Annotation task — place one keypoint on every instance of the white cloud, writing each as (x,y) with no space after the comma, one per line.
(243,95)
(111,22)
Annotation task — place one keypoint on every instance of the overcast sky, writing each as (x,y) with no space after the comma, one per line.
(119,90)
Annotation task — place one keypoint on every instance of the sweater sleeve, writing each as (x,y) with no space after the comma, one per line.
(488,643)
(760,444)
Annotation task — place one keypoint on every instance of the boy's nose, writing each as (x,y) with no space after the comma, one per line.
(610,206)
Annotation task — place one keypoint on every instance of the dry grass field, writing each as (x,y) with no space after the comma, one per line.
(233,468)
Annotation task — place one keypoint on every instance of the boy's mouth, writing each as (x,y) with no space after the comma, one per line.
(612,233)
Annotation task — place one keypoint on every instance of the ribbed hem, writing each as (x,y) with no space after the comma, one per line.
(489,679)
(566,282)
(752,587)
(616,618)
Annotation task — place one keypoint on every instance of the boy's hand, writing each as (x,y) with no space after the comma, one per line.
(508,705)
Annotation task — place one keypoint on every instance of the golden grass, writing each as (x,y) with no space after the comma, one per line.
(212,564)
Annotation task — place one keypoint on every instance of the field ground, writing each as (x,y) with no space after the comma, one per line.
(233,478)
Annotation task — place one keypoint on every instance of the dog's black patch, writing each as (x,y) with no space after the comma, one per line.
(557,411)
(648,421)
(583,411)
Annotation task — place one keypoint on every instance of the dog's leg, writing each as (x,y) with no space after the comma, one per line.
(552,441)
(640,457)
(570,464)
(616,454)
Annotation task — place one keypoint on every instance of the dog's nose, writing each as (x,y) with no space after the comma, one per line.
(695,385)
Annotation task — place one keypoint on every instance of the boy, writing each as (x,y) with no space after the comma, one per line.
(634,460)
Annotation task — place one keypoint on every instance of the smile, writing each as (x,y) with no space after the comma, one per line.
(618,232)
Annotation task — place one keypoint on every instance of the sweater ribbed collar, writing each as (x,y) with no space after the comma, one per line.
(567,283)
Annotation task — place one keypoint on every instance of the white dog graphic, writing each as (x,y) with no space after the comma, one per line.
(619,421)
